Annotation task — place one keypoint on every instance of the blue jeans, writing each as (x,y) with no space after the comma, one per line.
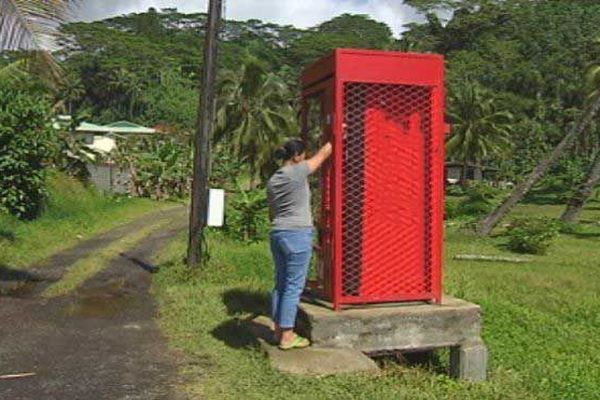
(292,251)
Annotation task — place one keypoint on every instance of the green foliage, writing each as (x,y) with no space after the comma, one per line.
(480,130)
(26,140)
(225,169)
(172,101)
(431,5)
(568,227)
(480,199)
(247,215)
(32,26)
(558,186)
(346,30)
(532,235)
(68,196)
(70,93)
(73,212)
(159,168)
(451,207)
(254,116)
(532,56)
(455,190)
(481,191)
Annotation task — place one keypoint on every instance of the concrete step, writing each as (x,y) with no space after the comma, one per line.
(310,361)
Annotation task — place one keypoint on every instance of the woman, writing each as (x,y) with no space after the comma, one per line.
(292,236)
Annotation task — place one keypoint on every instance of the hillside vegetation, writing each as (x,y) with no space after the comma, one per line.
(74,213)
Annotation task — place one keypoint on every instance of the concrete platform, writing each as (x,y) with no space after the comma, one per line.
(415,327)
(310,361)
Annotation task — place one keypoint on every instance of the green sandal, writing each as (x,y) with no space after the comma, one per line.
(298,343)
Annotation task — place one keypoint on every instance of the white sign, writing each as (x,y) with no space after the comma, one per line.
(216,207)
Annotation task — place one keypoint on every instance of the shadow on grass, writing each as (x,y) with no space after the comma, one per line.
(543,199)
(239,301)
(585,235)
(243,333)
(7,235)
(504,247)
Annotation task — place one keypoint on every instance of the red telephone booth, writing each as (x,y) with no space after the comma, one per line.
(381,197)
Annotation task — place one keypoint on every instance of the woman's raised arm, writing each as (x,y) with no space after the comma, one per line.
(315,162)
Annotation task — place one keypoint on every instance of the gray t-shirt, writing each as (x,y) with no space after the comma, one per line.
(289,197)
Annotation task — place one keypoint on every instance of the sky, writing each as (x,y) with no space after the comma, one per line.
(300,13)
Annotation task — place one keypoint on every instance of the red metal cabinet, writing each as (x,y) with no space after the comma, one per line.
(380,216)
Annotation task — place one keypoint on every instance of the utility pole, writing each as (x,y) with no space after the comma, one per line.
(206,117)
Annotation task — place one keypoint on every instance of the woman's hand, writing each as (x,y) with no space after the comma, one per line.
(315,162)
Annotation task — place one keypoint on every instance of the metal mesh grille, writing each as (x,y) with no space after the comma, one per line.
(386,191)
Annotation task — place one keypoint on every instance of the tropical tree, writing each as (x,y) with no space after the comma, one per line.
(31,25)
(346,30)
(160,168)
(486,225)
(583,193)
(254,115)
(26,142)
(586,189)
(129,89)
(480,130)
(70,91)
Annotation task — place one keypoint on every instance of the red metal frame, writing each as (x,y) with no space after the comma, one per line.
(382,228)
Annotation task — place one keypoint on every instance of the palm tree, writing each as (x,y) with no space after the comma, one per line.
(254,115)
(487,224)
(129,88)
(583,193)
(586,189)
(31,25)
(70,91)
(480,130)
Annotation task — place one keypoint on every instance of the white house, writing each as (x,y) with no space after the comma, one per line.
(104,139)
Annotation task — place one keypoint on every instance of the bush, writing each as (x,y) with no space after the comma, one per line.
(160,168)
(557,187)
(480,200)
(455,190)
(451,208)
(568,227)
(247,215)
(225,168)
(26,141)
(532,235)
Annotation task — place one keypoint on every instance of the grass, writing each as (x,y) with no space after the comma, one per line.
(541,323)
(89,266)
(74,213)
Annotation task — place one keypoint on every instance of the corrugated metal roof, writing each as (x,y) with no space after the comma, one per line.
(128,127)
(88,127)
(115,127)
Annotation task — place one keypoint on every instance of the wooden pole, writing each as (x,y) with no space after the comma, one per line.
(206,117)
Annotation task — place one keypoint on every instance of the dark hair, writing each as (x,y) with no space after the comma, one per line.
(290,149)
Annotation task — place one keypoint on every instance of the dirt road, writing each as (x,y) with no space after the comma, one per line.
(99,342)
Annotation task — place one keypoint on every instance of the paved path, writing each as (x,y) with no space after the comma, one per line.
(101,342)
